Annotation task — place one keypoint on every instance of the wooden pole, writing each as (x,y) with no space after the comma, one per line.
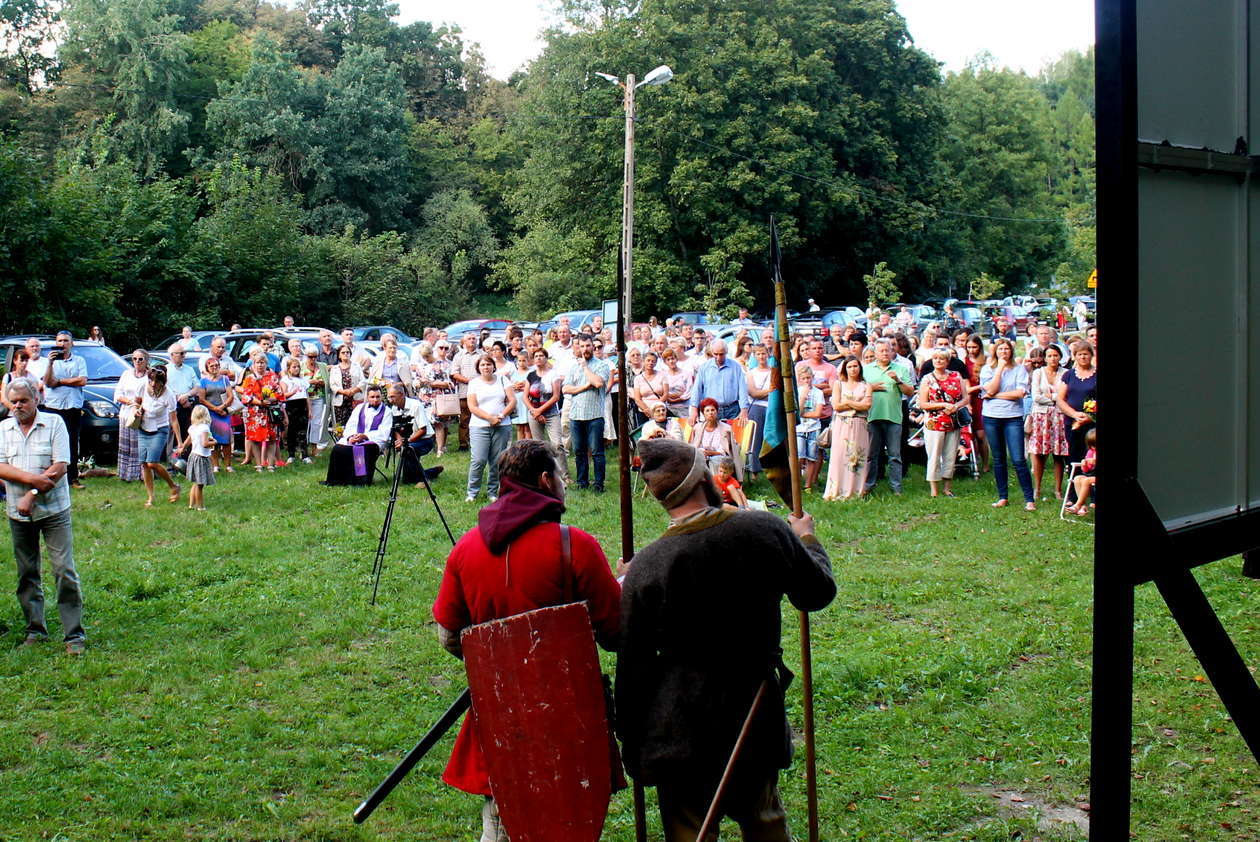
(625,266)
(787,379)
(712,815)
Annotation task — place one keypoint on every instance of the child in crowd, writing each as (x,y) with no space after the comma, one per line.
(297,408)
(199,470)
(809,400)
(724,478)
(1084,481)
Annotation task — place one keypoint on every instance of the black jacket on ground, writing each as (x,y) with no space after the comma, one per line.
(700,627)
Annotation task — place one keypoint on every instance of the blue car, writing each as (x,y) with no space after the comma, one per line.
(98,434)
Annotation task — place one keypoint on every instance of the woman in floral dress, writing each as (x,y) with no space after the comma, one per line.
(260,392)
(850,438)
(941,394)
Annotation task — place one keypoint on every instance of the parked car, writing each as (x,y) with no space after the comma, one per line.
(1017,316)
(497,327)
(241,342)
(201,340)
(98,434)
(971,317)
(727,332)
(373,334)
(579,320)
(691,317)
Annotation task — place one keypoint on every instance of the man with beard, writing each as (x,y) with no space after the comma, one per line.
(353,458)
(700,630)
(517,559)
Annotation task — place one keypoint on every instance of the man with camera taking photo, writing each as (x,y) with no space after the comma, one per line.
(411,427)
(64,379)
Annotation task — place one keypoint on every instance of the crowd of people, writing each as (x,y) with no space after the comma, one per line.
(866,402)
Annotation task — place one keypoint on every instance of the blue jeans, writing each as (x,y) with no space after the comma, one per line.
(486,444)
(885,435)
(587,437)
(59,540)
(1008,434)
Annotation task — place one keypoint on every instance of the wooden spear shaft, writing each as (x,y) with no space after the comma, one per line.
(624,286)
(787,378)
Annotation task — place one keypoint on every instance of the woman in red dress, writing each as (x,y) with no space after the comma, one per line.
(260,392)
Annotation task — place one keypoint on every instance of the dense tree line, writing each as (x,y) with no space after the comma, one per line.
(211,161)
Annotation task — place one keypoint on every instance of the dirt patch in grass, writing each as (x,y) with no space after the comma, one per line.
(1050,817)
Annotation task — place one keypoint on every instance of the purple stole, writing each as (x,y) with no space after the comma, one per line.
(360,458)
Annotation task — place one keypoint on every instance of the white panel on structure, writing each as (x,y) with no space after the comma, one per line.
(1190,75)
(1191,268)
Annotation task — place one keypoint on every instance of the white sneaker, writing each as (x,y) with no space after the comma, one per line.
(470,499)
(492,498)
(306,459)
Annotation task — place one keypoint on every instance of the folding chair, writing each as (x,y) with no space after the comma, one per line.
(743,432)
(1068,491)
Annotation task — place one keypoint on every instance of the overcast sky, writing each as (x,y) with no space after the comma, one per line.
(1022,34)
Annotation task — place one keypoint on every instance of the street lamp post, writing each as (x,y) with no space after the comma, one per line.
(659,76)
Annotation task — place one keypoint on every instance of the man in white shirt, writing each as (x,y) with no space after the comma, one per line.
(744,319)
(353,458)
(64,379)
(34,456)
(218,351)
(37,364)
(420,440)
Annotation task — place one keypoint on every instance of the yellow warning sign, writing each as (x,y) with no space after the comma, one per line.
(1092,283)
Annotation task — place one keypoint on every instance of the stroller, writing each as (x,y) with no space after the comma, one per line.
(964,459)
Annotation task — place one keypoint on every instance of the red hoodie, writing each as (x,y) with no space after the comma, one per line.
(509,564)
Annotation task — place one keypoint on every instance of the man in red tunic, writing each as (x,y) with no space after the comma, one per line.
(514,562)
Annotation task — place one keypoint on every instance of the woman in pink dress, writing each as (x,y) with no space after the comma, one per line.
(850,439)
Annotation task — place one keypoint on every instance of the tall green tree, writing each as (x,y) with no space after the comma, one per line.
(135,50)
(365,178)
(999,150)
(820,112)
(269,119)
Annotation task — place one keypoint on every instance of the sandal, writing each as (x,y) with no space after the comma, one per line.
(999,504)
(1030,507)
(174,498)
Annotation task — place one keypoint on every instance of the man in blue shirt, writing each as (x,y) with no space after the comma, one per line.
(586,386)
(184,381)
(724,381)
(64,380)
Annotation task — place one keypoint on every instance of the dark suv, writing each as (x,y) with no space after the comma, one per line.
(98,435)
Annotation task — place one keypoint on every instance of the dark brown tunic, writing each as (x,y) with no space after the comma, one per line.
(700,626)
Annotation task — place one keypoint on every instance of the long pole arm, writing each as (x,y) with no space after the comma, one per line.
(787,378)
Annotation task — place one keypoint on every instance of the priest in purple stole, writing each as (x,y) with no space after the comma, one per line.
(353,458)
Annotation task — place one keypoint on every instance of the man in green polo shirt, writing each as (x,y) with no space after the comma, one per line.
(890,380)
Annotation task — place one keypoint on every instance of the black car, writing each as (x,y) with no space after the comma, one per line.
(98,434)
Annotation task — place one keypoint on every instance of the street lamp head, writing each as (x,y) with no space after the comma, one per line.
(609,77)
(659,76)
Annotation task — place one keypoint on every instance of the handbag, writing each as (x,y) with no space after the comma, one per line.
(131,417)
(445,404)
(964,417)
(824,438)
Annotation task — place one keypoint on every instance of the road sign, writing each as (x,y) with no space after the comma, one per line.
(1092,283)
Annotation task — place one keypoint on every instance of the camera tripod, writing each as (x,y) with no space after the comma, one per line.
(379,564)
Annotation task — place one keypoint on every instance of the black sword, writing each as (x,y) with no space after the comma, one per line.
(452,715)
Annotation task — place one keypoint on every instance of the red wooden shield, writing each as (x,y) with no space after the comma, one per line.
(539,705)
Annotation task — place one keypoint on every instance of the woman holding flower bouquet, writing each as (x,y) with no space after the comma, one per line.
(1076,398)
(850,438)
(316,374)
(264,412)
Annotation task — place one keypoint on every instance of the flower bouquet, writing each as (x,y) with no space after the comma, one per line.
(1090,409)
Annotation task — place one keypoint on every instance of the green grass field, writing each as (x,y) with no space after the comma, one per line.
(239,686)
